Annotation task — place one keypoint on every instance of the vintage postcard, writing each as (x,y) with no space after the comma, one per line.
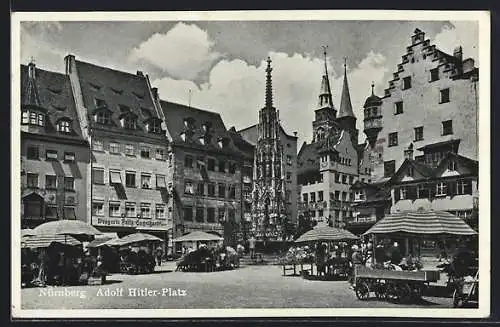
(250,164)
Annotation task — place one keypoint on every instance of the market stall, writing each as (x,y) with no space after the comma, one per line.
(401,274)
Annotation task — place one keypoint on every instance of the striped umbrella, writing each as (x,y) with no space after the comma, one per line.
(326,234)
(422,222)
(27,232)
(198,236)
(133,238)
(68,227)
(44,241)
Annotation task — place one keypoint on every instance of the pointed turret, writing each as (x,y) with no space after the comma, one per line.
(372,117)
(345,100)
(269,85)
(325,93)
(346,117)
(32,97)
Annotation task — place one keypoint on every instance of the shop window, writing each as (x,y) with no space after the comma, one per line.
(98,175)
(98,208)
(114,209)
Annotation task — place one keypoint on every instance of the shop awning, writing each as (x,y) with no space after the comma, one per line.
(422,223)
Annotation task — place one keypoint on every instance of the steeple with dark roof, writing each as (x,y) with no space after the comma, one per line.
(32,97)
(325,93)
(346,117)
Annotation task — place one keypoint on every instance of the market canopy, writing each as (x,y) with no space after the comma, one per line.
(27,232)
(198,236)
(326,234)
(133,238)
(44,241)
(66,227)
(422,222)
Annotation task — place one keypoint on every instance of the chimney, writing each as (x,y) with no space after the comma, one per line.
(32,70)
(69,62)
(457,53)
(295,133)
(408,153)
(139,73)
(468,65)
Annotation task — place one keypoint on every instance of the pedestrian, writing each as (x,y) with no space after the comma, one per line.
(159,254)
(396,254)
(251,246)
(356,260)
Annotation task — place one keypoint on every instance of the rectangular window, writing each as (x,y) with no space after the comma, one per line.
(419,133)
(337,178)
(305,197)
(464,187)
(115,177)
(98,208)
(434,74)
(200,215)
(69,183)
(447,127)
(130,179)
(320,196)
(452,165)
(33,120)
(403,193)
(98,145)
(411,171)
(344,179)
(129,150)
(289,160)
(398,107)
(211,189)
(32,180)
(222,191)
(130,209)
(50,182)
(161,182)
(69,156)
(351,180)
(200,188)
(393,139)
(145,210)
(288,176)
(320,213)
(344,196)
(232,168)
(114,148)
(51,154)
(444,95)
(389,168)
(422,191)
(160,154)
(222,166)
(41,120)
(211,164)
(211,215)
(25,117)
(145,152)
(222,214)
(358,195)
(114,209)
(69,213)
(406,82)
(145,181)
(232,192)
(188,187)
(232,214)
(33,153)
(337,195)
(188,213)
(160,211)
(188,161)
(98,175)
(51,211)
(313,196)
(441,188)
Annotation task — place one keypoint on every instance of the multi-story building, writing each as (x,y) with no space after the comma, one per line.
(431,106)
(206,172)
(120,115)
(333,161)
(432,102)
(274,196)
(54,154)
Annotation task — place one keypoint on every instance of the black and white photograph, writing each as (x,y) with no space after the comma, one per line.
(253,163)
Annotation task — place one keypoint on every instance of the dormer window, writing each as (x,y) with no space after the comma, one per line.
(103,117)
(100,103)
(189,122)
(153,125)
(64,126)
(124,108)
(183,136)
(32,118)
(206,126)
(452,165)
(205,139)
(223,142)
(129,122)
(146,112)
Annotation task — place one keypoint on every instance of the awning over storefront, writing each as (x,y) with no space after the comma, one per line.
(422,222)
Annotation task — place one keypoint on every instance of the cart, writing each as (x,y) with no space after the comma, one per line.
(466,290)
(392,285)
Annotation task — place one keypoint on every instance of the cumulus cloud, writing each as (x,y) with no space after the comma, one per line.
(462,33)
(236,89)
(183,52)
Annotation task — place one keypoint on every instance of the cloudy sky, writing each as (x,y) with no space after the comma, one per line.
(223,62)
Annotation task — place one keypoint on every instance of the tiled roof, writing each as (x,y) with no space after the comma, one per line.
(56,97)
(453,142)
(121,91)
(241,143)
(175,116)
(307,159)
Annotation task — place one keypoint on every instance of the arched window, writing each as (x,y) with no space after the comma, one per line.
(64,126)
(320,134)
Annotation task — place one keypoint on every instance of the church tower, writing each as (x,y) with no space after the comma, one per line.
(325,114)
(346,117)
(268,205)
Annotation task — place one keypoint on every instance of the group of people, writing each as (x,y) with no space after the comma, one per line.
(209,258)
